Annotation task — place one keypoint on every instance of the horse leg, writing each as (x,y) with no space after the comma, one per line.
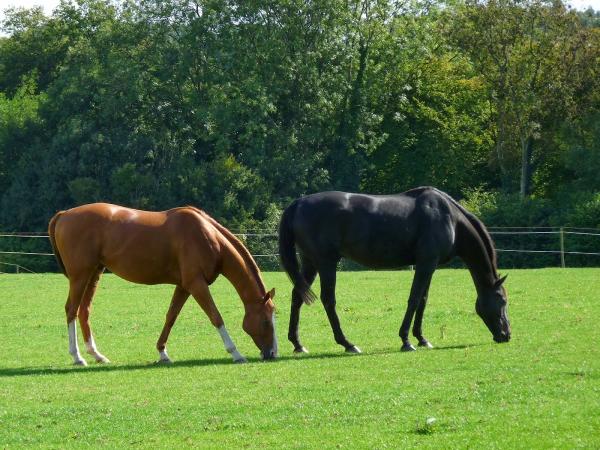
(84,314)
(328,277)
(417,326)
(199,290)
(308,273)
(180,296)
(420,286)
(77,286)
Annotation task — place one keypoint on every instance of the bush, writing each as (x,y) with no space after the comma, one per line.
(496,209)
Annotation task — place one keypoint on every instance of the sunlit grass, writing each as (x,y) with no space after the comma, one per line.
(542,390)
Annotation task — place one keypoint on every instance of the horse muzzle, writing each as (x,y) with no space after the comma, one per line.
(502,337)
(268,354)
(502,334)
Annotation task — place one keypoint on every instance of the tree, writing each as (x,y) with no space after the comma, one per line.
(434,108)
(527,51)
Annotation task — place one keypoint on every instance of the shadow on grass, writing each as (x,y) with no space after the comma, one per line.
(384,351)
(28,371)
(457,347)
(66,370)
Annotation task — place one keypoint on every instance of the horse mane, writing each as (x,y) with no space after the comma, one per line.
(237,244)
(480,228)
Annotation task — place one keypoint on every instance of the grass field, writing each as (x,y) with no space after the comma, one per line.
(542,390)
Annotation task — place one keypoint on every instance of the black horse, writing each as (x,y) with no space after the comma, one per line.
(423,227)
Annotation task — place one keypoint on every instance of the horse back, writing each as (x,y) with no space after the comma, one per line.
(384,231)
(141,246)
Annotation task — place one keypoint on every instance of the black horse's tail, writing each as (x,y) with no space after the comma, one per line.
(287,254)
(52,234)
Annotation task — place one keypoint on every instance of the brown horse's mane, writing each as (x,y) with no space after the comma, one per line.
(237,244)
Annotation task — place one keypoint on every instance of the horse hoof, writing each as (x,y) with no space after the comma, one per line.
(240,361)
(407,348)
(80,362)
(102,360)
(354,349)
(165,361)
(425,343)
(300,350)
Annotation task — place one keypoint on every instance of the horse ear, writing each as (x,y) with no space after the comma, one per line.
(500,281)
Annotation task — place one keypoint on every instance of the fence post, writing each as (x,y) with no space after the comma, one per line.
(562,247)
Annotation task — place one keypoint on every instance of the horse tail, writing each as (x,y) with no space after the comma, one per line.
(287,254)
(52,234)
(478,226)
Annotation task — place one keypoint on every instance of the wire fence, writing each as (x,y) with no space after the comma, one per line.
(547,246)
(516,247)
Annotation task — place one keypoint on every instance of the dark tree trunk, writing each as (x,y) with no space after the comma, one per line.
(526,166)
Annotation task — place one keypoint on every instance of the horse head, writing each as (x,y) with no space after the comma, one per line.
(259,323)
(491,307)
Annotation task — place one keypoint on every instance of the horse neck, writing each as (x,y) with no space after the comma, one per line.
(241,271)
(237,265)
(472,250)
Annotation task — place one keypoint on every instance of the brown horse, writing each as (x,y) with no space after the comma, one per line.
(182,246)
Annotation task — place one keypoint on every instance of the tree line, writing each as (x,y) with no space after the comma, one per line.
(240,107)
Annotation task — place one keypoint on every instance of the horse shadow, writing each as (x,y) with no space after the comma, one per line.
(457,347)
(66,370)
(294,358)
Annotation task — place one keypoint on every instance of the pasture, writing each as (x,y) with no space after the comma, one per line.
(541,390)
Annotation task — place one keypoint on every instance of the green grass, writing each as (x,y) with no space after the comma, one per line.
(542,390)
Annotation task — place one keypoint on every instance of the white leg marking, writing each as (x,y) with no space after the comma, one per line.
(229,345)
(164,358)
(92,350)
(73,347)
(275,345)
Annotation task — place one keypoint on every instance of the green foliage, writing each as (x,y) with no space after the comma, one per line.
(240,107)
(532,57)
(581,143)
(538,391)
(19,123)
(130,187)
(225,188)
(502,210)
(509,213)
(85,190)
(586,212)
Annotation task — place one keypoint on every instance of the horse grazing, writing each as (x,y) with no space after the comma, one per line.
(182,246)
(423,227)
